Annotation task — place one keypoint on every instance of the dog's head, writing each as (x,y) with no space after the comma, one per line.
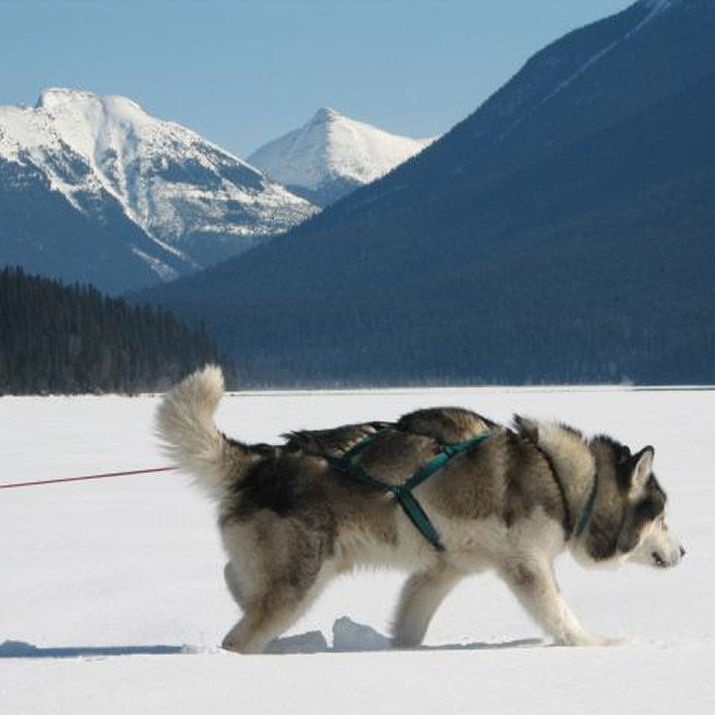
(627,520)
(632,492)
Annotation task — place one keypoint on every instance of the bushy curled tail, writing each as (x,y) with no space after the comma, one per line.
(185,425)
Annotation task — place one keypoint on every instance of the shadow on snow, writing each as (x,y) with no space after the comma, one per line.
(348,637)
(19,649)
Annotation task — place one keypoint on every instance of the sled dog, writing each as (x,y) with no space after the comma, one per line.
(290,519)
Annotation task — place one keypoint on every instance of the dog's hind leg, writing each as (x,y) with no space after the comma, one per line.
(277,568)
(268,614)
(534,584)
(421,596)
(229,576)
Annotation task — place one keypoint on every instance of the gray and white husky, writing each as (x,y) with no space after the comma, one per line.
(290,519)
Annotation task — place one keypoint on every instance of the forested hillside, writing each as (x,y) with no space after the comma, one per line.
(61,339)
(564,232)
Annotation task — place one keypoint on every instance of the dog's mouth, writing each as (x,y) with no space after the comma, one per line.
(659,561)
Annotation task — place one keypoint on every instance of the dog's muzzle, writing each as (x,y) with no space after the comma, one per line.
(663,562)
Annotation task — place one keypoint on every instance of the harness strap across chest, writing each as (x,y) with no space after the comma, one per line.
(587,511)
(403,492)
(572,530)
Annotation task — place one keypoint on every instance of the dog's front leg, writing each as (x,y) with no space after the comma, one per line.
(534,584)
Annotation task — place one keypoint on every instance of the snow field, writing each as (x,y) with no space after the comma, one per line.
(122,577)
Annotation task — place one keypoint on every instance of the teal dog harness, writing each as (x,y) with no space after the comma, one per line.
(403,492)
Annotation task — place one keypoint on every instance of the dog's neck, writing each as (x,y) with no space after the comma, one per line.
(591,489)
(574,464)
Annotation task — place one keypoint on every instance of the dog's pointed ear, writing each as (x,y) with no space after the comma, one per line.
(526,427)
(642,469)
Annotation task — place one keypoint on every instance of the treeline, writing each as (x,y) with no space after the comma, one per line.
(56,338)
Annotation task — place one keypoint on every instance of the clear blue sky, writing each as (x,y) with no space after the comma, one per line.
(244,72)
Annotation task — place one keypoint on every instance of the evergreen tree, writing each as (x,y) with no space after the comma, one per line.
(73,339)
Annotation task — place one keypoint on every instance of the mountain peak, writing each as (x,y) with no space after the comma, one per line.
(57,98)
(331,155)
(53,97)
(187,202)
(325,114)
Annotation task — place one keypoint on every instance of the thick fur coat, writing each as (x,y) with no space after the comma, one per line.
(290,521)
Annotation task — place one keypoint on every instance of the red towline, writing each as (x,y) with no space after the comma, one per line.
(12,485)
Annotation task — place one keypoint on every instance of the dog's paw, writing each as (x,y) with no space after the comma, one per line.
(236,641)
(229,645)
(232,641)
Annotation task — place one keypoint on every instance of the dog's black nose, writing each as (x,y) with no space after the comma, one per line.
(682,551)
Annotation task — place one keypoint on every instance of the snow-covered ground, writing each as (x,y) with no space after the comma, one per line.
(112,601)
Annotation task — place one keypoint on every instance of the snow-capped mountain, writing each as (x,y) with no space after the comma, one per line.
(332,155)
(189,202)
